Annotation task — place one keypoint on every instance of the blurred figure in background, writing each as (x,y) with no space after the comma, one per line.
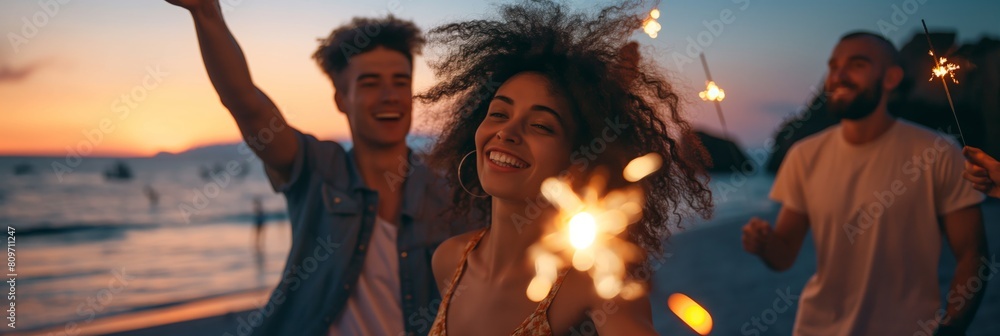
(877,213)
(151,195)
(258,222)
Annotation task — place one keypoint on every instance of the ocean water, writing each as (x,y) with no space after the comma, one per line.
(89,247)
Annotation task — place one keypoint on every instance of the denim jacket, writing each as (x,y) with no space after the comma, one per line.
(332,215)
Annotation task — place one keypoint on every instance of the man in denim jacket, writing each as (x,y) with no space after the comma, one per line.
(365,222)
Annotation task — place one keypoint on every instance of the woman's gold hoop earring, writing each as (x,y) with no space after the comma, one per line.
(460,163)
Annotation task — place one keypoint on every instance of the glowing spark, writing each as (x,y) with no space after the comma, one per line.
(642,166)
(582,230)
(943,68)
(587,231)
(649,25)
(690,312)
(538,289)
(712,93)
(546,265)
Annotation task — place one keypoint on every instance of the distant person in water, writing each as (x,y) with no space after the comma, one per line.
(258,225)
(258,221)
(364,221)
(877,218)
(151,195)
(983,171)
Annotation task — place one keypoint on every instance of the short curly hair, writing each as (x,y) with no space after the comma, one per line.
(364,34)
(587,58)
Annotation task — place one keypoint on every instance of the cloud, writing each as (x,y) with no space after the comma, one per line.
(10,73)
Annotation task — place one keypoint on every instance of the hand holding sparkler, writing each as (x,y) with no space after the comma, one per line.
(983,171)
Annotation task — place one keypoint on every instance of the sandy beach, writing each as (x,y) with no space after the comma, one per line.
(705,262)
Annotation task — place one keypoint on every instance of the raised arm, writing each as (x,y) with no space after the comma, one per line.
(261,124)
(778,248)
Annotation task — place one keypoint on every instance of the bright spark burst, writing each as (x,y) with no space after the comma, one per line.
(692,313)
(943,68)
(650,26)
(712,93)
(587,230)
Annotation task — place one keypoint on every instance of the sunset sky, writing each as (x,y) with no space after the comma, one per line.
(62,77)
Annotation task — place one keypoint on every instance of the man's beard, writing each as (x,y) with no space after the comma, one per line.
(863,104)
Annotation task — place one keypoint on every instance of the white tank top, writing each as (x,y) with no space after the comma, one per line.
(375,307)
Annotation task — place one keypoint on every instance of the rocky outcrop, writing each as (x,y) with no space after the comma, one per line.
(726,155)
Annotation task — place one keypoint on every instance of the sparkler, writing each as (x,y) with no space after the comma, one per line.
(690,312)
(649,25)
(715,94)
(942,68)
(587,232)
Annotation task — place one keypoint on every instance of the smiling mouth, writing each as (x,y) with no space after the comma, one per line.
(841,91)
(506,160)
(388,116)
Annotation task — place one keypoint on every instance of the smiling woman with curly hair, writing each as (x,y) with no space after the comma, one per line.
(537,92)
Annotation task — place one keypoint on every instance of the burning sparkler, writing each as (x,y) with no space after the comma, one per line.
(712,93)
(942,68)
(587,232)
(715,94)
(649,25)
(690,312)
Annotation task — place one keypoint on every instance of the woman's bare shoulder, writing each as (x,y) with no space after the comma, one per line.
(447,255)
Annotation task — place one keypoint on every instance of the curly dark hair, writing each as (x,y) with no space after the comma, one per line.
(364,34)
(588,58)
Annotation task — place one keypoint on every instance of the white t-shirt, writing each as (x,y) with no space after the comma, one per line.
(375,307)
(873,210)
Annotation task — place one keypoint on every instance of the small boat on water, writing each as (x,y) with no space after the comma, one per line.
(120,172)
(24,169)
